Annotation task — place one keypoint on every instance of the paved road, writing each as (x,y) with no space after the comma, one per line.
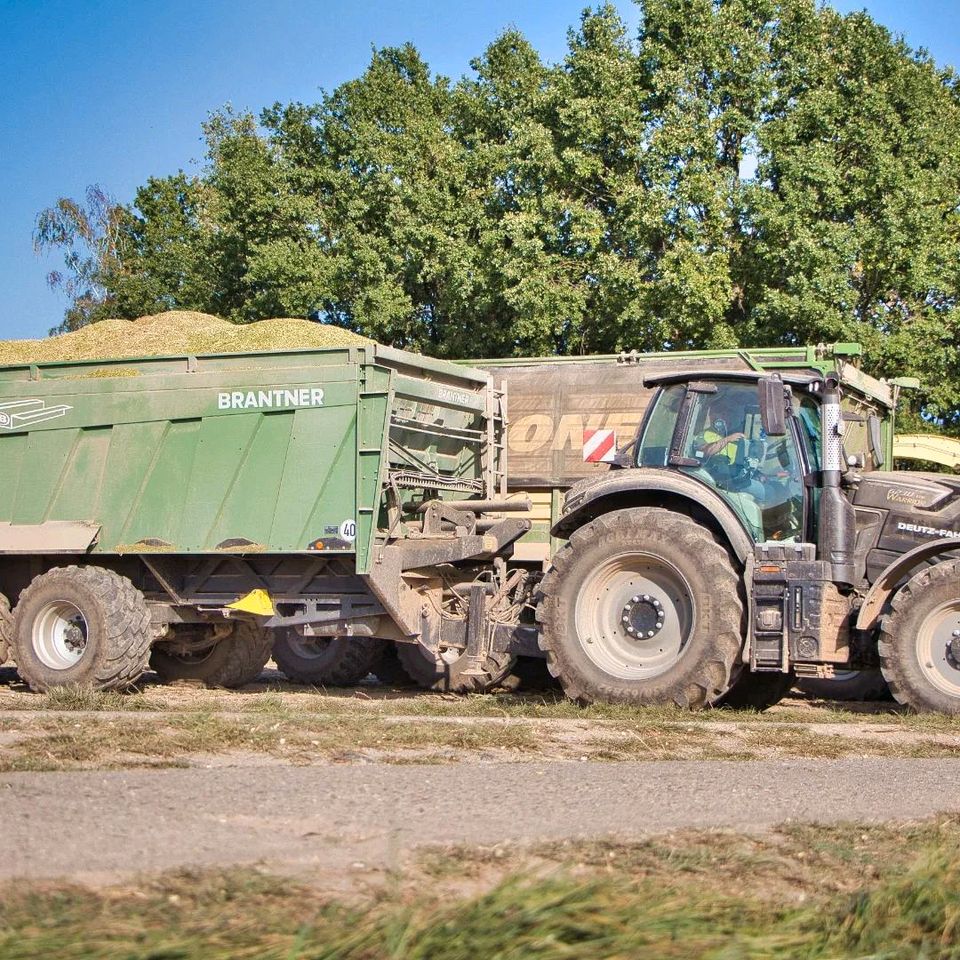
(101,826)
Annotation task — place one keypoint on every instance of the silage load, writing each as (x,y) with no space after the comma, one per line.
(174,333)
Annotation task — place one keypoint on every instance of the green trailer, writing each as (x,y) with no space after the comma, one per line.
(190,511)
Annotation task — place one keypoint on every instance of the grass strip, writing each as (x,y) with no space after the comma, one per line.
(665,898)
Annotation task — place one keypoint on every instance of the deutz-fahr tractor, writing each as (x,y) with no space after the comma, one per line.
(735,545)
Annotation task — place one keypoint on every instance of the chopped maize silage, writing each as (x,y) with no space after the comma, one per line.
(174,333)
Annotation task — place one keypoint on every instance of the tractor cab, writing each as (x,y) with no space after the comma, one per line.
(712,428)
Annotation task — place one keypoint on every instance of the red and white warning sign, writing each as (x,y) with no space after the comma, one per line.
(599,446)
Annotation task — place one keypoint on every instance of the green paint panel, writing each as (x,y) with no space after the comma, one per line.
(45,459)
(249,501)
(221,449)
(318,468)
(159,506)
(11,465)
(134,448)
(84,473)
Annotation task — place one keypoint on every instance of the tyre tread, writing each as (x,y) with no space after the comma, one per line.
(127,634)
(714,676)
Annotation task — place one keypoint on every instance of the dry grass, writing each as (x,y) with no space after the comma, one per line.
(845,891)
(77,729)
(98,741)
(171,334)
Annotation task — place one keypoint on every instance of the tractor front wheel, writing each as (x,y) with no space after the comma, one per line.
(642,606)
(920,640)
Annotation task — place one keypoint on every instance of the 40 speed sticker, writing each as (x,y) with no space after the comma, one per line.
(348,530)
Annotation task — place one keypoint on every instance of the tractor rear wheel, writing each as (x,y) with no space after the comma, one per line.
(642,606)
(81,625)
(196,653)
(920,640)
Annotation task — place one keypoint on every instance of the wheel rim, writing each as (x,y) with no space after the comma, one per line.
(60,635)
(449,656)
(841,675)
(938,648)
(634,616)
(314,648)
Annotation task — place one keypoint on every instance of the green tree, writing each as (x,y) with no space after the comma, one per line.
(164,260)
(87,236)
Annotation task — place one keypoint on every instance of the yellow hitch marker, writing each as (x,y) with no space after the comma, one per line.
(257,602)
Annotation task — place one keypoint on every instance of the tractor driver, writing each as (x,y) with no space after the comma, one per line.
(723,449)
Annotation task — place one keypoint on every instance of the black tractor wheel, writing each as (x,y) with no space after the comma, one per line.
(195,652)
(920,640)
(81,625)
(326,661)
(846,686)
(758,691)
(389,670)
(530,674)
(445,671)
(6,629)
(642,606)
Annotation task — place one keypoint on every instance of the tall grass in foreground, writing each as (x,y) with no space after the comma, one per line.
(600,914)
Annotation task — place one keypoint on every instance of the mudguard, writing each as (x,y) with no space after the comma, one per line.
(625,488)
(885,585)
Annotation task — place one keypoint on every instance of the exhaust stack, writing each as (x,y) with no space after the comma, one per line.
(838,528)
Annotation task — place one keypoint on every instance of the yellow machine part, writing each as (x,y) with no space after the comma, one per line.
(928,446)
(257,602)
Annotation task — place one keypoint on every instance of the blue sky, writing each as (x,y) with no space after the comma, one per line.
(114,91)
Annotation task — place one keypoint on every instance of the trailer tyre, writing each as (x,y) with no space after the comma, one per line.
(920,640)
(326,661)
(235,660)
(445,671)
(81,625)
(642,606)
(6,629)
(758,691)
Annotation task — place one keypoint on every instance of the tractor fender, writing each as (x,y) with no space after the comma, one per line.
(885,585)
(650,487)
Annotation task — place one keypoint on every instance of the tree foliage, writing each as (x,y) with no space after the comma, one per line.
(739,173)
(88,236)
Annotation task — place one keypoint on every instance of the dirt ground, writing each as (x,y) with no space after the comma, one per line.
(347,786)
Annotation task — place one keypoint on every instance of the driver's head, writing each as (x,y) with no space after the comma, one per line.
(721,415)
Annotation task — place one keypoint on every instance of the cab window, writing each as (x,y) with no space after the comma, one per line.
(759,476)
(654,448)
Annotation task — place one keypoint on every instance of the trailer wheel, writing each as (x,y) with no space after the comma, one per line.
(920,640)
(846,685)
(758,691)
(444,671)
(81,625)
(232,661)
(642,606)
(326,661)
(6,629)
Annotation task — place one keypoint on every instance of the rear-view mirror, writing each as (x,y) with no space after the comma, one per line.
(772,407)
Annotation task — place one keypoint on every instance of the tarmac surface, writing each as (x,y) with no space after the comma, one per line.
(339,821)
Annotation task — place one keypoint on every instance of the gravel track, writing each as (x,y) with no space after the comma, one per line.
(346,821)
